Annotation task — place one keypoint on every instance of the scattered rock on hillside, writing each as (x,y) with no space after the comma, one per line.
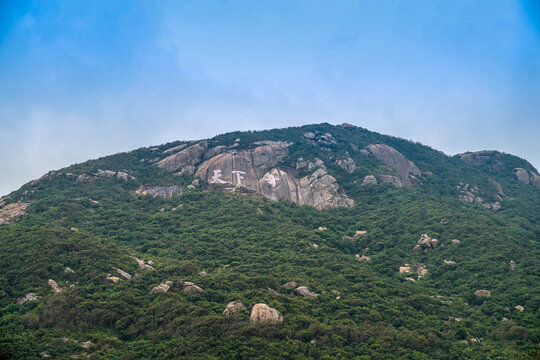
(234,308)
(191,288)
(160,191)
(448,262)
(455,241)
(519,308)
(426,243)
(123,274)
(406,269)
(162,288)
(512,265)
(346,164)
(359,233)
(144,266)
(311,245)
(321,228)
(54,285)
(261,313)
(274,292)
(27,297)
(11,212)
(69,270)
(112,279)
(203,273)
(390,179)
(304,291)
(482,293)
(369,180)
(362,258)
(421,271)
(290,285)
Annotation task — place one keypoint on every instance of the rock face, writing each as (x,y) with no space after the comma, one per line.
(11,212)
(261,313)
(255,170)
(482,293)
(234,308)
(27,297)
(393,158)
(527,177)
(54,285)
(160,191)
(304,292)
(426,243)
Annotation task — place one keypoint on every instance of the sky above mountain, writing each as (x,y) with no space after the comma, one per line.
(83,79)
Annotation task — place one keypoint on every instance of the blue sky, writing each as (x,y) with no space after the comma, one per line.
(83,79)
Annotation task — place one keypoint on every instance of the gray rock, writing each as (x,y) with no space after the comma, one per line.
(346,164)
(175,149)
(27,297)
(309,135)
(482,293)
(522,175)
(262,313)
(304,292)
(426,243)
(389,179)
(234,308)
(54,285)
(393,158)
(191,288)
(190,156)
(123,274)
(369,180)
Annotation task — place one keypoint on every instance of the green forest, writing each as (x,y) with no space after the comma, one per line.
(243,247)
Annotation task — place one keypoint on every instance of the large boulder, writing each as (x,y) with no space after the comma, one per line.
(191,288)
(393,158)
(304,292)
(426,243)
(346,164)
(124,274)
(369,180)
(234,308)
(482,293)
(162,288)
(262,313)
(390,179)
(522,175)
(54,285)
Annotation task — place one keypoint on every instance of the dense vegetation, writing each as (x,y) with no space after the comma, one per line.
(248,244)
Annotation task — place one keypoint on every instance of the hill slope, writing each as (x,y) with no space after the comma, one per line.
(338,209)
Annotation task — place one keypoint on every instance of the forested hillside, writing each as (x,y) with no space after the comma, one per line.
(363,246)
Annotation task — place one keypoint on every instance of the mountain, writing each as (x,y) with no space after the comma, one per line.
(309,242)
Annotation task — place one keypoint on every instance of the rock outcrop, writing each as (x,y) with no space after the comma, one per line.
(54,285)
(162,288)
(262,313)
(27,297)
(406,169)
(290,285)
(104,174)
(304,292)
(370,180)
(191,288)
(346,164)
(123,274)
(362,257)
(527,177)
(234,308)
(406,269)
(255,170)
(390,179)
(426,243)
(160,191)
(482,293)
(469,194)
(148,265)
(112,279)
(11,212)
